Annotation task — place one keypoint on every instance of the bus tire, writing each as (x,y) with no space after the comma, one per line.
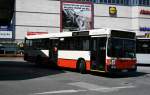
(82,66)
(25,56)
(38,61)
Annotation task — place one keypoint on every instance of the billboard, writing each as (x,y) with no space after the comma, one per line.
(76,16)
(6,32)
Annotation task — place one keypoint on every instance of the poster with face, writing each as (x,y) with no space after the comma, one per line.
(76,16)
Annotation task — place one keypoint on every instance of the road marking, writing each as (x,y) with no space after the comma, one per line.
(110,89)
(86,87)
(60,92)
(93,87)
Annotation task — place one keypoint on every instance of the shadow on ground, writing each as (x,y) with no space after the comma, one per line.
(120,75)
(11,70)
(143,65)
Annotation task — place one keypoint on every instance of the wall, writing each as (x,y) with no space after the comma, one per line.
(37,15)
(128,18)
(44,16)
(121,21)
(144,20)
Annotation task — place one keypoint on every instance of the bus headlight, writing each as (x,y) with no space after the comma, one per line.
(113,66)
(113,62)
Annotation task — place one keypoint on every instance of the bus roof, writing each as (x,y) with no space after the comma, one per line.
(97,32)
(50,35)
(93,32)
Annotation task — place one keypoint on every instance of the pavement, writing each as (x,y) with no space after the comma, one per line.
(18,77)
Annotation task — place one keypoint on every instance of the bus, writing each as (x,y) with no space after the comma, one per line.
(101,50)
(143,51)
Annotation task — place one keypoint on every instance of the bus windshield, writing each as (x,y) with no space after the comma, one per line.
(123,48)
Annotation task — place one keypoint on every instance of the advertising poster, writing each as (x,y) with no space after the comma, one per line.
(7,28)
(36,33)
(6,32)
(112,11)
(76,16)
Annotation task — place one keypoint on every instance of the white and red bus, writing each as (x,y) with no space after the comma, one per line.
(102,50)
(143,51)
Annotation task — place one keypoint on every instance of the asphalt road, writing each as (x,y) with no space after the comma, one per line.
(18,77)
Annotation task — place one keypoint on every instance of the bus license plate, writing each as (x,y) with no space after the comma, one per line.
(124,70)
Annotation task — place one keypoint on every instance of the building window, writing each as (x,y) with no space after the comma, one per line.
(140,2)
(120,2)
(126,2)
(96,1)
(135,2)
(117,1)
(102,1)
(146,2)
(109,1)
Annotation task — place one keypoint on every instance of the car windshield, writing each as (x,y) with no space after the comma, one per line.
(124,48)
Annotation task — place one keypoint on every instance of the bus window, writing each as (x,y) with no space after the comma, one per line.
(64,44)
(129,48)
(94,45)
(85,44)
(121,48)
(143,50)
(143,46)
(98,43)
(115,47)
(102,42)
(28,44)
(72,43)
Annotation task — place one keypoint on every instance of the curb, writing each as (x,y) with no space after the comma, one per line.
(11,55)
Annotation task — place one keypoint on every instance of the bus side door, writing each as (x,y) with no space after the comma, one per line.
(98,53)
(53,51)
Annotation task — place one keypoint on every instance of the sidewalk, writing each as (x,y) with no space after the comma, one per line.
(11,55)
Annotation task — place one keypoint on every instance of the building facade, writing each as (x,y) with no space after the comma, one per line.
(46,16)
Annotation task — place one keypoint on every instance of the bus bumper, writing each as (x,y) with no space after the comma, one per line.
(117,70)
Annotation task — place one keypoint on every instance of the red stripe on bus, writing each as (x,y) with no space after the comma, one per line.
(71,63)
(88,66)
(67,63)
(125,64)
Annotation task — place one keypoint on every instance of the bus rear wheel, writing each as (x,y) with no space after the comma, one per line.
(38,61)
(82,66)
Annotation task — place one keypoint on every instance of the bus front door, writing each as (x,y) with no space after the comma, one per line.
(98,54)
(53,52)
